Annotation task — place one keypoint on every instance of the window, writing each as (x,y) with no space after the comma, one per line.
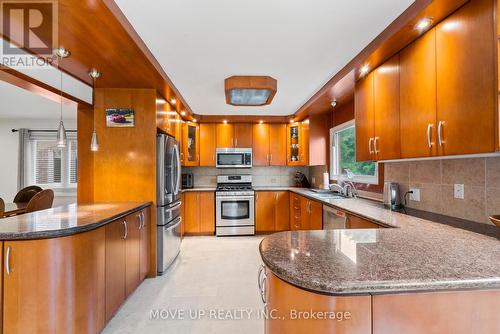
(343,157)
(50,166)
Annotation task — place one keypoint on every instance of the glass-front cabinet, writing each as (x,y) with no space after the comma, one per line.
(298,143)
(191,144)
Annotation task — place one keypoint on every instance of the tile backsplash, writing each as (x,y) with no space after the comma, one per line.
(436,180)
(262,176)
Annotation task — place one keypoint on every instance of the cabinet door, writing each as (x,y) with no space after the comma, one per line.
(282,211)
(206,214)
(315,215)
(53,284)
(183,214)
(387,142)
(208,136)
(261,145)
(356,222)
(295,212)
(304,143)
(304,213)
(145,244)
(133,253)
(277,144)
(363,109)
(191,211)
(115,267)
(243,135)
(265,211)
(466,80)
(225,135)
(293,143)
(418,98)
(191,144)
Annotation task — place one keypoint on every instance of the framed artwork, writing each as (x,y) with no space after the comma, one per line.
(120,118)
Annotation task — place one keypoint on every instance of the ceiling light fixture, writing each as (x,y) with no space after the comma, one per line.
(224,121)
(160,101)
(173,101)
(364,70)
(252,91)
(261,122)
(423,24)
(334,103)
(183,113)
(194,120)
(94,143)
(292,121)
(62,139)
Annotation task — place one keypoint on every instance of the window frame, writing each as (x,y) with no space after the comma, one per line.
(335,158)
(65,187)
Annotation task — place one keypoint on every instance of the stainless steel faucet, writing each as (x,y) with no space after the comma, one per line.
(350,190)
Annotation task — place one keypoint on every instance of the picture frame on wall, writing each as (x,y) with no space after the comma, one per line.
(120,118)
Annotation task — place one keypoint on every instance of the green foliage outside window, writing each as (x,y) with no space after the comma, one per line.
(347,140)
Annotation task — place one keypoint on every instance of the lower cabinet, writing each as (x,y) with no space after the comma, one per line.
(305,214)
(356,222)
(199,211)
(272,211)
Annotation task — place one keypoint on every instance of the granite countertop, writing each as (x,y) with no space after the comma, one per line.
(415,255)
(199,189)
(64,220)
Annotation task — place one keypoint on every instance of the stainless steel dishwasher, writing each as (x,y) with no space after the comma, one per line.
(333,219)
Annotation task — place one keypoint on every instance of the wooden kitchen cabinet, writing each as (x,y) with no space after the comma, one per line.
(183,214)
(387,143)
(132,253)
(243,133)
(199,213)
(115,266)
(261,144)
(354,222)
(377,114)
(225,135)
(145,242)
(191,144)
(418,98)
(305,214)
(277,144)
(297,144)
(364,115)
(272,210)
(208,136)
(466,80)
(53,284)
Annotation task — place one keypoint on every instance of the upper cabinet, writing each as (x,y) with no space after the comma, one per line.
(243,135)
(190,155)
(225,135)
(377,113)
(466,80)
(269,145)
(297,141)
(208,136)
(437,97)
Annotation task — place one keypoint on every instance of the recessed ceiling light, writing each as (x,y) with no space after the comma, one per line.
(173,101)
(194,120)
(250,90)
(160,101)
(364,70)
(291,121)
(423,24)
(224,121)
(183,113)
(261,122)
(334,103)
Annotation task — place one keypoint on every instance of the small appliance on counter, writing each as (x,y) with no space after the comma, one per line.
(187,180)
(392,196)
(301,180)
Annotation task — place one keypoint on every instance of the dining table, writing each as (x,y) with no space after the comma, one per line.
(12,209)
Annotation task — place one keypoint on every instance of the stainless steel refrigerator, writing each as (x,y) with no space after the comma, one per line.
(168,194)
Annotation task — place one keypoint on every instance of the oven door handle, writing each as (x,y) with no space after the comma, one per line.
(235,198)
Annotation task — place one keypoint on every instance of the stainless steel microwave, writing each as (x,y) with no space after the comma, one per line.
(234,158)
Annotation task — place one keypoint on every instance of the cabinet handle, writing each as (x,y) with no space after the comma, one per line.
(236,142)
(267,157)
(429,127)
(270,158)
(370,144)
(126,229)
(375,146)
(276,197)
(213,157)
(440,135)
(8,270)
(262,283)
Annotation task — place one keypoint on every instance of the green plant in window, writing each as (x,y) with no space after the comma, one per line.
(347,140)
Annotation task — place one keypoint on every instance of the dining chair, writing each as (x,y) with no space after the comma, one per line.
(41,201)
(24,195)
(2,207)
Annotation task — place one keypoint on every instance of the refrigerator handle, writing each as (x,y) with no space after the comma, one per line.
(178,170)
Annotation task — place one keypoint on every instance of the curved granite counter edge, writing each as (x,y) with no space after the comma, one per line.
(65,220)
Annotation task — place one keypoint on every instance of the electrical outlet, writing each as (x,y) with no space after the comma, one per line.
(459,191)
(313,179)
(415,196)
(274,180)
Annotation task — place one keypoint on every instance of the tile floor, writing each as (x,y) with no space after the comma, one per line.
(210,274)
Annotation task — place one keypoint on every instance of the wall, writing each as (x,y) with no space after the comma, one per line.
(262,176)
(436,179)
(9,144)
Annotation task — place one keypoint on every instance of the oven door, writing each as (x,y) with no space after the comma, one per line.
(234,210)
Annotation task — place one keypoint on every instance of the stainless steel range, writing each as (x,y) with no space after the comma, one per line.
(234,205)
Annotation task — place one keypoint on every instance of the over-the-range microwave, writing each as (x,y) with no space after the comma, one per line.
(234,158)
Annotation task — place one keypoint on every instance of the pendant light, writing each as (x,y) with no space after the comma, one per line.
(62,139)
(94,144)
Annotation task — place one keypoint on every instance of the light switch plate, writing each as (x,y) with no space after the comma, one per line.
(459,191)
(415,196)
(313,179)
